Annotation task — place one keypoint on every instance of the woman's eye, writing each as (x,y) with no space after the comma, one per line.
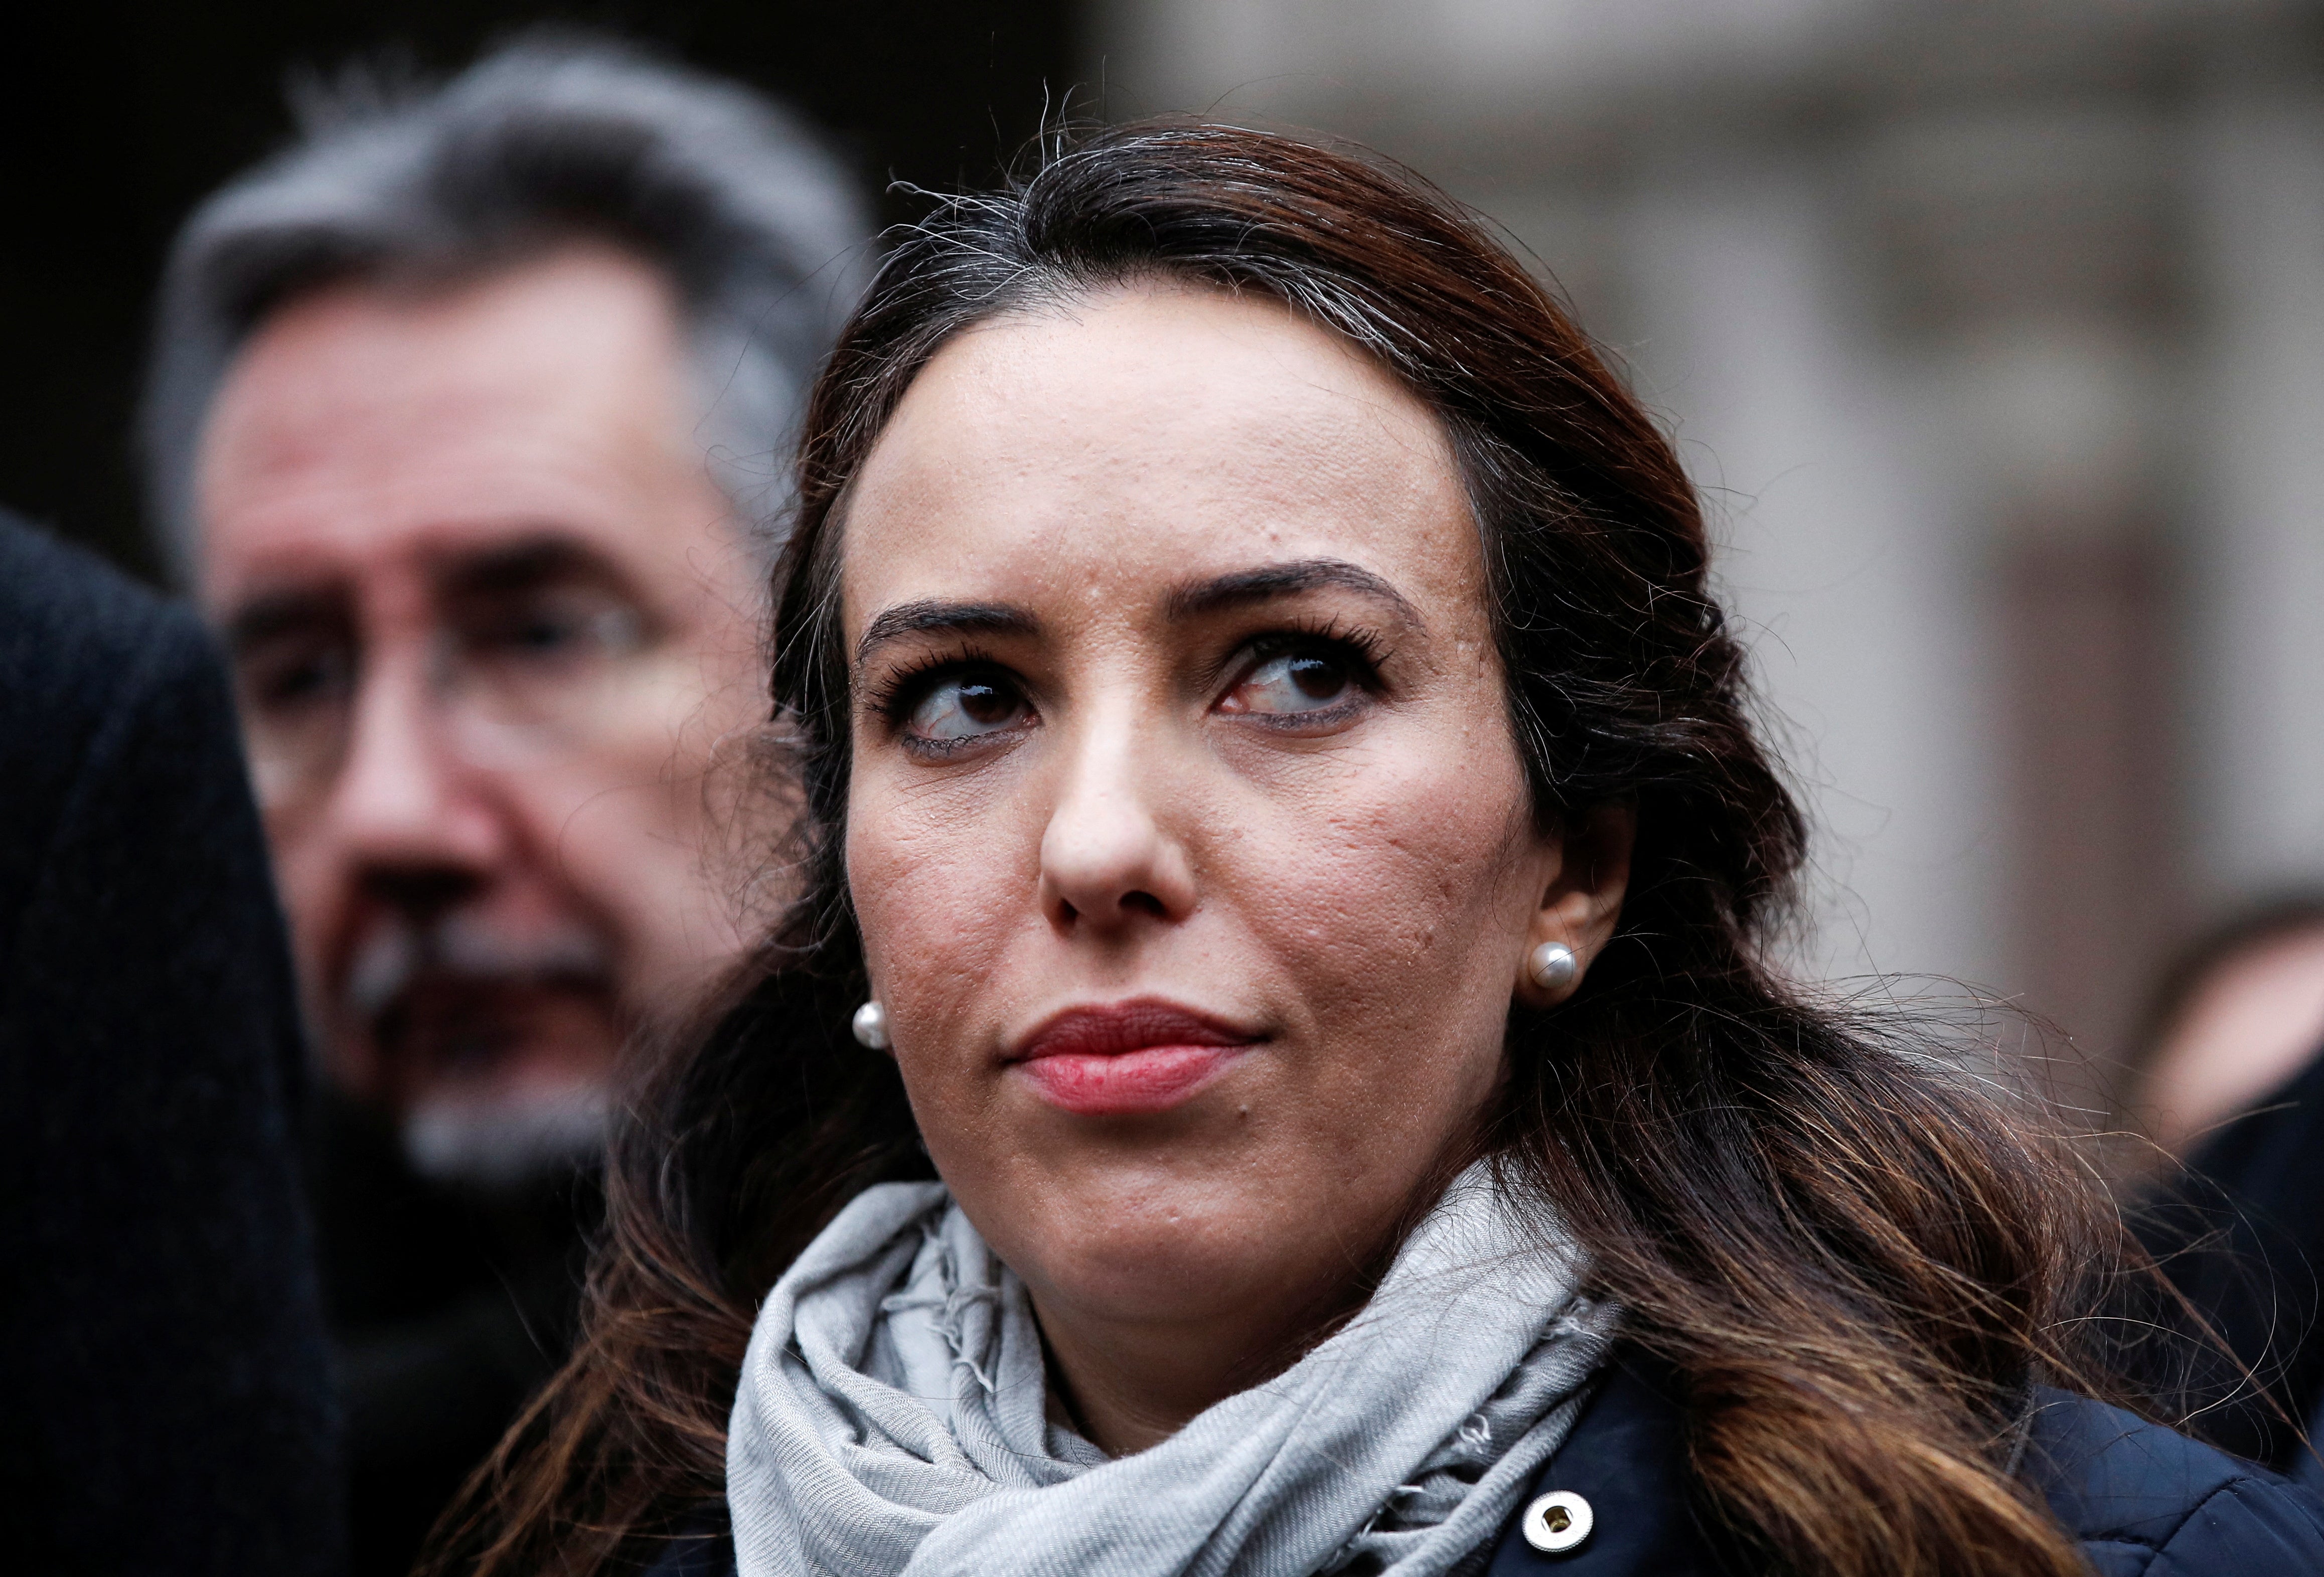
(1293,682)
(969,706)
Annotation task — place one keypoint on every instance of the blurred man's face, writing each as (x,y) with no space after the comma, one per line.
(494,628)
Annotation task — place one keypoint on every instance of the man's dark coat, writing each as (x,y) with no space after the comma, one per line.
(164,1396)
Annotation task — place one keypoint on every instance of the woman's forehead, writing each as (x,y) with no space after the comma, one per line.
(1149,435)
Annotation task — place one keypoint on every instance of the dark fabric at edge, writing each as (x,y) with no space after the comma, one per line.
(162,1367)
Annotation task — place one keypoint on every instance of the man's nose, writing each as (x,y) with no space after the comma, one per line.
(404,801)
(1107,856)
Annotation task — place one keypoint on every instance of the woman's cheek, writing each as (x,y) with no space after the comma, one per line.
(1413,851)
(935,899)
(906,880)
(1394,921)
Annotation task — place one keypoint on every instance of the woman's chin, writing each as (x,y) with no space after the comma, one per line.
(1141,1254)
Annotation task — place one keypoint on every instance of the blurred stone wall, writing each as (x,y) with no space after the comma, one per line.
(1994,332)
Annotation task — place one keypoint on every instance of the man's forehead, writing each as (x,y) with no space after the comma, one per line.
(411,570)
(443,509)
(363,427)
(579,327)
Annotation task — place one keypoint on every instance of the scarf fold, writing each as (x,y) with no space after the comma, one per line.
(892,1416)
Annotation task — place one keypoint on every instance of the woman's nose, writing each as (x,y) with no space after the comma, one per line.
(1106,857)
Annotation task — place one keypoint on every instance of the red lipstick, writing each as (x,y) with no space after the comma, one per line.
(1129,1057)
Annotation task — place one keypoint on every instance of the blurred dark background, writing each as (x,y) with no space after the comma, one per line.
(119,117)
(1994,332)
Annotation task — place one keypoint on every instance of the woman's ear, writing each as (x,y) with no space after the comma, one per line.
(1581,906)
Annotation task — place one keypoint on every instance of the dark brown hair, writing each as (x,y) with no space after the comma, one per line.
(1852,1256)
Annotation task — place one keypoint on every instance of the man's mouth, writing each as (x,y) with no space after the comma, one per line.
(471,1029)
(455,1006)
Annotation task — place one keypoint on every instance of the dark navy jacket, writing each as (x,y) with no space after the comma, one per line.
(2143,1501)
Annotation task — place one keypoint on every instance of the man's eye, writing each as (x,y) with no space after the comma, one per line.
(545,633)
(283,681)
(1293,682)
(965,707)
(562,627)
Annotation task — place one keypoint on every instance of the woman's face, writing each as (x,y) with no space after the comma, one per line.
(1189,841)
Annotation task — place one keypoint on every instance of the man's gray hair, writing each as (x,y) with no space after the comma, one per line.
(549,139)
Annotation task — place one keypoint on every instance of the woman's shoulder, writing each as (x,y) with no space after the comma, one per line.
(2140,1497)
(2133,1493)
(1625,1461)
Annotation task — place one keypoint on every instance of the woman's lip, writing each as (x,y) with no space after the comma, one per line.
(1153,1078)
(1120,1027)
(1128,1057)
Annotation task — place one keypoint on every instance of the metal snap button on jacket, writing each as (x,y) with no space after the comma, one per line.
(1557,1522)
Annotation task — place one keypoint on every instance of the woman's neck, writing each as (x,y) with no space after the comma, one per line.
(1128,1384)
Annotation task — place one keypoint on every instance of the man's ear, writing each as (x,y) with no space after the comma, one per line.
(1582,903)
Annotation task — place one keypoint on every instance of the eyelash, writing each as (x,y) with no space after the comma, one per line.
(895,698)
(1367,649)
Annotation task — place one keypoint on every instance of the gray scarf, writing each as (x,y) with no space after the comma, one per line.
(891,1419)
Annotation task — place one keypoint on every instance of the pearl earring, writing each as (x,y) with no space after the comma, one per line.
(872,1025)
(1554,967)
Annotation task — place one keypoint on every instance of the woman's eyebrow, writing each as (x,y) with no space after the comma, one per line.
(1244,587)
(930,616)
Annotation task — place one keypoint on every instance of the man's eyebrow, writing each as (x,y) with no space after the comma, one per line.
(1245,586)
(941,618)
(269,614)
(519,566)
